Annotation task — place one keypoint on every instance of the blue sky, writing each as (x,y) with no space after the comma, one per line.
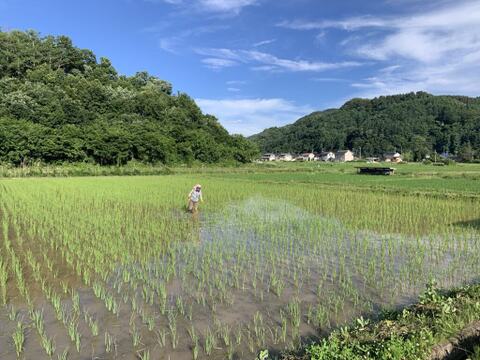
(261,63)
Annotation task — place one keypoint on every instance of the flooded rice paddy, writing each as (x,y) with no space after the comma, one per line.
(104,269)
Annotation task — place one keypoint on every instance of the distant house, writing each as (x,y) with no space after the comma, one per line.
(285,157)
(326,156)
(268,157)
(372,159)
(306,157)
(394,157)
(344,156)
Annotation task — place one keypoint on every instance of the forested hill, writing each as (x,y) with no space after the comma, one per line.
(416,124)
(58,103)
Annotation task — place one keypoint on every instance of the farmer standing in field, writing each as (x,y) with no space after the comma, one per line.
(194,197)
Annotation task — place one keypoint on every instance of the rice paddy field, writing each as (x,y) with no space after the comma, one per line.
(114,267)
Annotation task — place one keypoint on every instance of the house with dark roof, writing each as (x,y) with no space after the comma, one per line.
(326,156)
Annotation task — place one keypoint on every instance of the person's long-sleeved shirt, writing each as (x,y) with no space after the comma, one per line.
(195,196)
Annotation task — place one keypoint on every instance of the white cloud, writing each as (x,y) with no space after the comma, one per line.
(267,62)
(216,63)
(250,116)
(236,82)
(296,65)
(264,42)
(437,48)
(232,7)
(348,24)
(219,53)
(174,43)
(328,79)
(423,37)
(169,44)
(447,78)
(320,37)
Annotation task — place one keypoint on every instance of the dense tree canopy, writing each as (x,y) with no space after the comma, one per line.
(58,103)
(416,124)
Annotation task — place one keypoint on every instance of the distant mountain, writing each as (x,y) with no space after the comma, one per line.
(415,124)
(59,104)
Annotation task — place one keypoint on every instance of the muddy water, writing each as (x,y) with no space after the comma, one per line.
(241,280)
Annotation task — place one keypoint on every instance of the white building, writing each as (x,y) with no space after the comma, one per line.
(268,157)
(326,156)
(394,157)
(285,157)
(344,156)
(306,157)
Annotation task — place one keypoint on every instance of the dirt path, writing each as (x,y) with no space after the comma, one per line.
(459,346)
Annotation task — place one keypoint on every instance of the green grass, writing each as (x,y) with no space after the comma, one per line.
(461,179)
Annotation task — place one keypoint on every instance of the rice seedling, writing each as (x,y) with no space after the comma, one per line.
(48,345)
(161,336)
(230,351)
(109,342)
(75,302)
(144,355)
(37,318)
(3,281)
(63,355)
(172,325)
(238,335)
(210,341)
(18,337)
(225,334)
(12,313)
(73,333)
(195,350)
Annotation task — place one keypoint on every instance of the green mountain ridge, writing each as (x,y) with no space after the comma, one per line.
(59,104)
(416,124)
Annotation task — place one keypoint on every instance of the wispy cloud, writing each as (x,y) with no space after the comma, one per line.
(232,7)
(250,116)
(347,24)
(425,37)
(236,82)
(217,63)
(175,43)
(296,65)
(263,61)
(264,42)
(450,77)
(436,47)
(328,79)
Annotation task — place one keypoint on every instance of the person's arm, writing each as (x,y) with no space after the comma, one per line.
(201,197)
(189,195)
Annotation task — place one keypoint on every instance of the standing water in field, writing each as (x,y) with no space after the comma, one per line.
(259,273)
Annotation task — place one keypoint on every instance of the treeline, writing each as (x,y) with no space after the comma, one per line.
(59,104)
(417,124)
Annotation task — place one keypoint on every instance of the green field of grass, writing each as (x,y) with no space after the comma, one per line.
(456,179)
(277,256)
